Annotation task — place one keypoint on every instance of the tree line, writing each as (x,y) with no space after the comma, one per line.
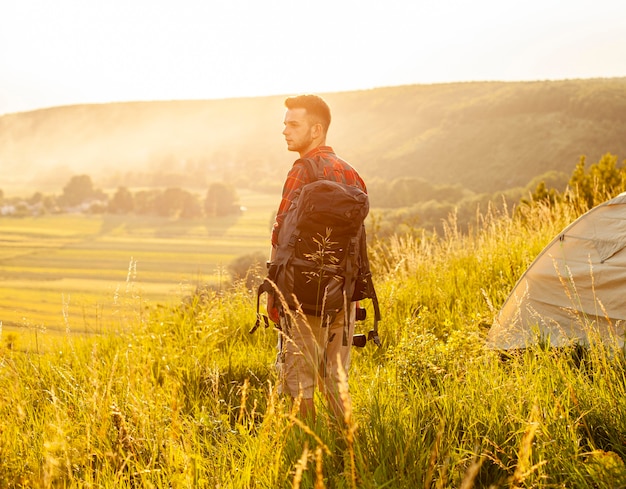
(400,205)
(80,195)
(430,208)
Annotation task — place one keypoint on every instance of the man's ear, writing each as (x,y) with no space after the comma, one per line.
(317,131)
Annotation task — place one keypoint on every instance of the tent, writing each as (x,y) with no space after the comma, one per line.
(575,290)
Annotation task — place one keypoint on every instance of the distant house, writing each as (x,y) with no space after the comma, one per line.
(88,207)
(8,210)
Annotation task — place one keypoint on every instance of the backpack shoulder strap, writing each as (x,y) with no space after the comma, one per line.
(313,169)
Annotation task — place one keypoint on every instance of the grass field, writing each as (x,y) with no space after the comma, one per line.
(182,396)
(78,273)
(186,397)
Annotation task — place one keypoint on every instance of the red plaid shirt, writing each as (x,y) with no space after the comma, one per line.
(334,169)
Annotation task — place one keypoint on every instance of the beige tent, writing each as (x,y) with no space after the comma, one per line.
(575,290)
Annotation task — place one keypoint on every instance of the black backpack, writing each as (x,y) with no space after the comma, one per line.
(321,262)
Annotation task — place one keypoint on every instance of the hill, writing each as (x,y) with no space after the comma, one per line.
(483,136)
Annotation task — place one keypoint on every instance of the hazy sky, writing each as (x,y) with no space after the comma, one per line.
(59,52)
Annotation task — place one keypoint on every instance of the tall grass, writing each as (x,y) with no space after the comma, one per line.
(184,396)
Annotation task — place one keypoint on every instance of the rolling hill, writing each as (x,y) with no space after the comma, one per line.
(483,136)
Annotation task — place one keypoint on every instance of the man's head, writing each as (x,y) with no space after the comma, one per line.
(306,123)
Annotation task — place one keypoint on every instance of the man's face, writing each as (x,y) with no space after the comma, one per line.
(297,130)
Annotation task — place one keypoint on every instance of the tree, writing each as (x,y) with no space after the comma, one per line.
(145,201)
(221,200)
(543,194)
(49,203)
(603,180)
(191,207)
(170,202)
(78,190)
(122,202)
(36,198)
(249,268)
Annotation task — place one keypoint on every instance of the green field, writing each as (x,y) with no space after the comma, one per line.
(182,396)
(86,274)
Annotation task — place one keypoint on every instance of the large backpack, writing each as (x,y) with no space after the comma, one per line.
(321,262)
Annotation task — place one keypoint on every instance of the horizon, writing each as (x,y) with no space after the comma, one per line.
(237,97)
(70,53)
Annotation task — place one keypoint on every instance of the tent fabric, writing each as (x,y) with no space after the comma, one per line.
(575,290)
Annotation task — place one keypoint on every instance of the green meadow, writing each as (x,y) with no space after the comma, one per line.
(83,273)
(178,394)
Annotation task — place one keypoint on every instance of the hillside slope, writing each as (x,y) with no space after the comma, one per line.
(486,136)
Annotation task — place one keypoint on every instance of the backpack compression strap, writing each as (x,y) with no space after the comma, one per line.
(373,334)
(266,286)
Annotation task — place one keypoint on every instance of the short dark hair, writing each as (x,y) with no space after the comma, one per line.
(315,106)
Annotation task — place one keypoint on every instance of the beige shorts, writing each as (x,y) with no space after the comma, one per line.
(309,353)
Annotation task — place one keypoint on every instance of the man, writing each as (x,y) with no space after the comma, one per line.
(311,352)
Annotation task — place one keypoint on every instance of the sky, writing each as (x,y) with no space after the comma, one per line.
(66,52)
